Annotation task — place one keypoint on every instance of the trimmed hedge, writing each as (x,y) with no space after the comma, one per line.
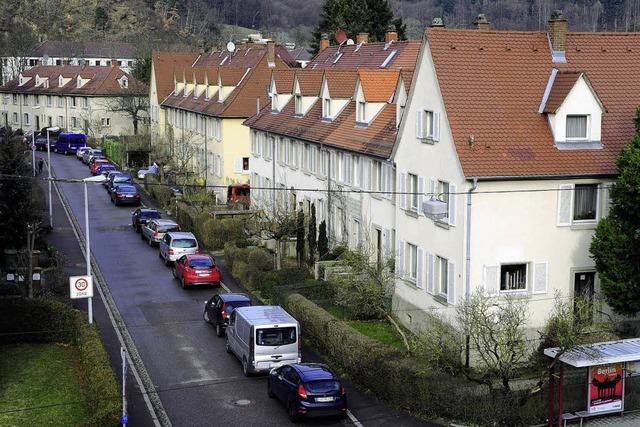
(403,381)
(161,193)
(57,322)
(113,150)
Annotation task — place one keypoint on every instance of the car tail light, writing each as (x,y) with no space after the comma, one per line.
(171,252)
(197,251)
(302,392)
(155,234)
(225,315)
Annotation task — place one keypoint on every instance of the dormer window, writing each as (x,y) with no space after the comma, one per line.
(361,113)
(577,127)
(298,105)
(274,102)
(60,81)
(326,108)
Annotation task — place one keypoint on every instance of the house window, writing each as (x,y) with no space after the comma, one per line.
(413,192)
(245,164)
(26,99)
(577,127)
(281,150)
(60,122)
(298,105)
(15,118)
(327,108)
(513,277)
(443,192)
(362,112)
(428,128)
(48,100)
(26,118)
(268,148)
(254,143)
(74,122)
(60,101)
(305,156)
(442,276)
(313,161)
(105,121)
(15,99)
(73,102)
(412,261)
(377,176)
(357,172)
(585,202)
(274,102)
(36,99)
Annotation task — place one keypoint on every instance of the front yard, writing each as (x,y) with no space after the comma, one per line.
(39,385)
(380,330)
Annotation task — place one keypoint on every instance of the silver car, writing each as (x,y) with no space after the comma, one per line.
(80,152)
(154,230)
(176,244)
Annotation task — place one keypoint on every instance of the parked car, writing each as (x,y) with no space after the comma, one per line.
(80,152)
(192,270)
(86,157)
(41,143)
(69,142)
(154,230)
(308,390)
(140,216)
(117,179)
(96,163)
(105,168)
(125,194)
(176,244)
(109,175)
(263,337)
(219,308)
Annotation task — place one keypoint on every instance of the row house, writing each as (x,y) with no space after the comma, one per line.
(210,99)
(327,136)
(58,52)
(76,98)
(506,154)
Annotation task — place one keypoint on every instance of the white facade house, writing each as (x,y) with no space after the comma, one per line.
(517,147)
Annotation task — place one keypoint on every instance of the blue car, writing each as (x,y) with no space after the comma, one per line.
(308,390)
(70,142)
(105,169)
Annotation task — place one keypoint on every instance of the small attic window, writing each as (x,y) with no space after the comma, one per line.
(326,108)
(361,112)
(298,105)
(124,82)
(577,127)
(274,102)
(386,62)
(60,80)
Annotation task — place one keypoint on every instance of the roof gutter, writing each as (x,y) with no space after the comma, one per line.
(541,177)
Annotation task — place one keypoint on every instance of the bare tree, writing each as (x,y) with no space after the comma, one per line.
(275,223)
(135,105)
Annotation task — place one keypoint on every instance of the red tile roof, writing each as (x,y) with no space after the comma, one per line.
(103,81)
(341,84)
(310,82)
(368,55)
(284,80)
(378,86)
(69,49)
(492,83)
(168,64)
(562,85)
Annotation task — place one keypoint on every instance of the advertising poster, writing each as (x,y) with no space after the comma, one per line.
(606,388)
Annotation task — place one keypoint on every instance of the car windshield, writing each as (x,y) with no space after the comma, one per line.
(276,336)
(230,306)
(184,243)
(201,263)
(322,386)
(150,214)
(168,228)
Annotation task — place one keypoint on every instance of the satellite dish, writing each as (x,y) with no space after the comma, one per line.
(350,42)
(231,47)
(340,36)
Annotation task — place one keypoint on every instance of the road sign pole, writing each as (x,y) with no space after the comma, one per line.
(124,420)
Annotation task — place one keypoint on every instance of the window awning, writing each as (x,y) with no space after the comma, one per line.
(599,353)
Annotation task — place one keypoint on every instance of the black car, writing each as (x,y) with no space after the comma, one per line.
(41,142)
(140,216)
(218,309)
(125,194)
(118,179)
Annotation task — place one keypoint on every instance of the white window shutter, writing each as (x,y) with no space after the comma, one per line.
(419,126)
(491,276)
(420,193)
(383,171)
(451,285)
(367,174)
(452,204)
(420,276)
(540,277)
(400,259)
(431,268)
(565,204)
(237,166)
(606,201)
(402,190)
(436,126)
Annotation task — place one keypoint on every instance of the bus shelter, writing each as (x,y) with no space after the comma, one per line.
(608,365)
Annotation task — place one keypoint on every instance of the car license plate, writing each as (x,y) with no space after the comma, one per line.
(128,196)
(204,273)
(325,399)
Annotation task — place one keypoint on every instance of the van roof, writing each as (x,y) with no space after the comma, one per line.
(266,315)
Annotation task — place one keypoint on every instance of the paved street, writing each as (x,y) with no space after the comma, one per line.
(198,382)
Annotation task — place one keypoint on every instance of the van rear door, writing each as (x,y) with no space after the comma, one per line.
(275,345)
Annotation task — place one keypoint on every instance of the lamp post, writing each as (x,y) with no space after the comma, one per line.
(33,143)
(94,179)
(50,129)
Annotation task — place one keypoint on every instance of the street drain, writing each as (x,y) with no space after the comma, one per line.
(242,402)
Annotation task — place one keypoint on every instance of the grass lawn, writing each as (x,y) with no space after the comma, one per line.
(380,330)
(40,375)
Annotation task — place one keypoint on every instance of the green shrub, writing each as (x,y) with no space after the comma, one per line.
(218,231)
(161,193)
(186,217)
(334,253)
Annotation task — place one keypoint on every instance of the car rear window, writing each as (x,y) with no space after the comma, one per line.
(168,228)
(230,306)
(201,263)
(322,386)
(275,336)
(184,243)
(126,189)
(150,214)
(122,179)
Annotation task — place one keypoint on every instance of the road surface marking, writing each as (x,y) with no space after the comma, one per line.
(353,419)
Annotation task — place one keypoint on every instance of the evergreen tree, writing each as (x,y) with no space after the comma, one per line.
(616,246)
(101,18)
(300,238)
(311,236)
(401,28)
(323,242)
(380,17)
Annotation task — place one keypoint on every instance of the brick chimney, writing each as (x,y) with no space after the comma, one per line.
(324,41)
(362,38)
(391,35)
(271,52)
(481,23)
(558,31)
(437,23)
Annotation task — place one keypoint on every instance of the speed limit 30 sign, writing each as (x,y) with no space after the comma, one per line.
(80,287)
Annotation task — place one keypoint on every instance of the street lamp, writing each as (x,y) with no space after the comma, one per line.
(93,179)
(50,129)
(33,143)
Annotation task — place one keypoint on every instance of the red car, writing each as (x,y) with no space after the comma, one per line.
(196,270)
(98,162)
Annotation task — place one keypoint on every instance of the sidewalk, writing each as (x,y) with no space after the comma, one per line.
(64,239)
(631,419)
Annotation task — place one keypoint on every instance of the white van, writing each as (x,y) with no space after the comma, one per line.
(263,337)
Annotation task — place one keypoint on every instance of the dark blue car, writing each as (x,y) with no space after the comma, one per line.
(308,390)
